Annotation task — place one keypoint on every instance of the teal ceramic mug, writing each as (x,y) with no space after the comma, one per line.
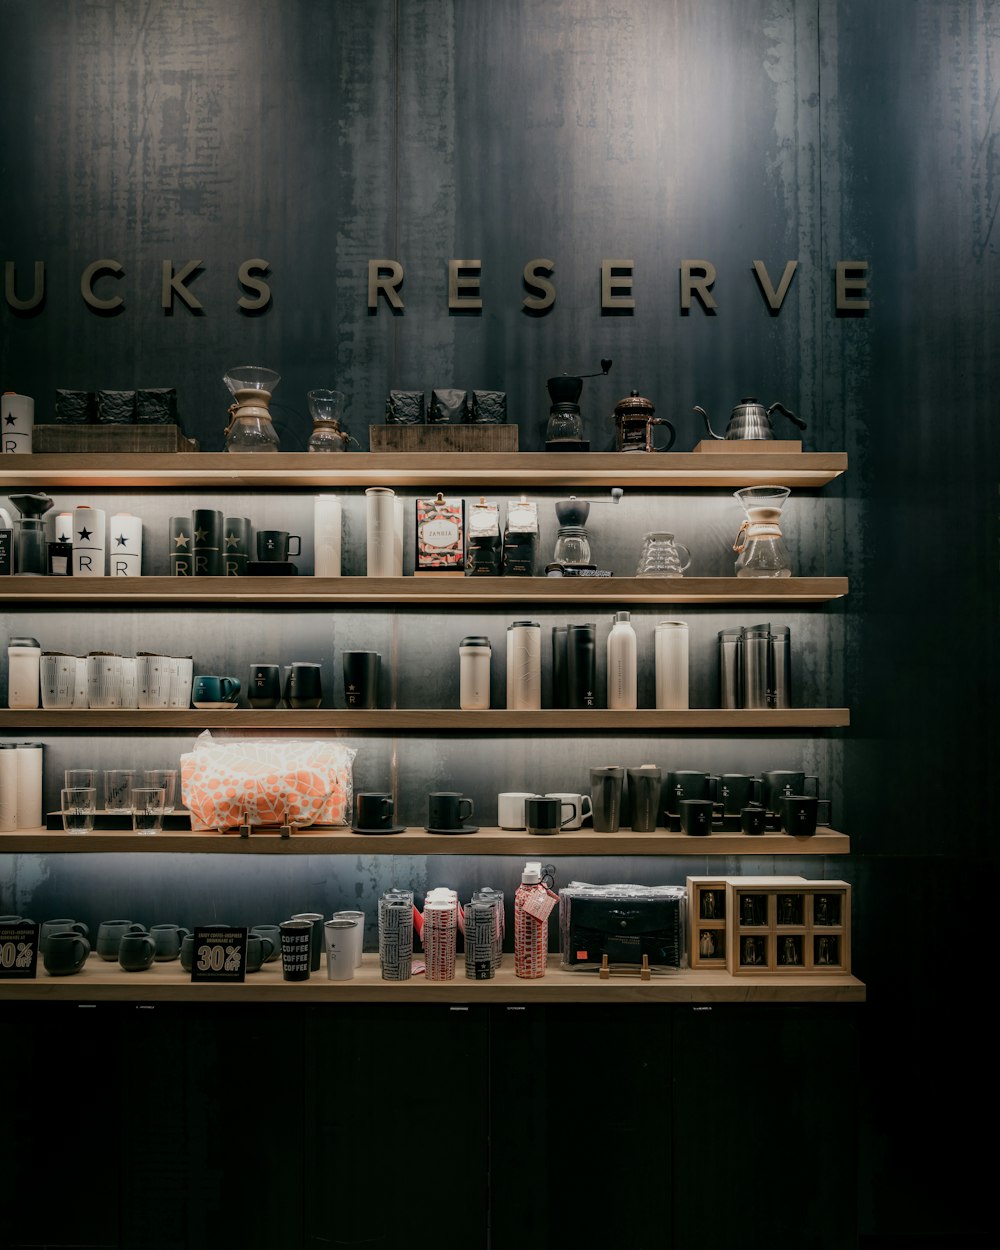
(109,935)
(208,688)
(273,934)
(168,938)
(259,950)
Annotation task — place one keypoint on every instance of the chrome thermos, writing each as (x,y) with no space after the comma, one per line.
(757,683)
(730,680)
(781,666)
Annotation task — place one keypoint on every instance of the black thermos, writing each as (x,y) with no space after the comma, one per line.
(559,675)
(581,666)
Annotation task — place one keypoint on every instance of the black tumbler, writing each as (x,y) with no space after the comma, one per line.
(207,541)
(581,665)
(296,940)
(305,685)
(559,676)
(264,689)
(361,678)
(181,554)
(236,546)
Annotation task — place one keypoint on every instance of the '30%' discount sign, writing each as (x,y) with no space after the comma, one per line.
(219,954)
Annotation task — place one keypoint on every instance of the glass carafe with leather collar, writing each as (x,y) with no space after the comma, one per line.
(760,546)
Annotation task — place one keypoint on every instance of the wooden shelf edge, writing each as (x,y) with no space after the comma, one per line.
(101,981)
(298,470)
(403,591)
(417,841)
(440,720)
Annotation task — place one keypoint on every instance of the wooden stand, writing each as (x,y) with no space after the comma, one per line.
(442,438)
(784,930)
(707,916)
(752,446)
(644,973)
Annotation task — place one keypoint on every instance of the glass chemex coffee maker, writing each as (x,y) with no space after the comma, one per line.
(250,427)
(326,409)
(759,544)
(564,431)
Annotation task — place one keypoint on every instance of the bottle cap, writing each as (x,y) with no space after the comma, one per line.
(475,640)
(622,616)
(532,874)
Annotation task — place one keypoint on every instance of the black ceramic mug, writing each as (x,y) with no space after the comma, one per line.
(305,685)
(373,811)
(753,820)
(800,814)
(361,678)
(65,953)
(687,784)
(448,809)
(738,790)
(264,689)
(696,816)
(547,816)
(276,545)
(781,781)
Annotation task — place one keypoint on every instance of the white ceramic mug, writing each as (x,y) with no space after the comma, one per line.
(58,679)
(582,808)
(510,808)
(153,675)
(105,679)
(180,681)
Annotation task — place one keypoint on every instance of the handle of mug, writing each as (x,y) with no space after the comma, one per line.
(714,786)
(386,808)
(756,790)
(267,946)
(230,687)
(82,942)
(670,440)
(82,929)
(182,934)
(298,548)
(571,816)
(586,806)
(150,945)
(462,818)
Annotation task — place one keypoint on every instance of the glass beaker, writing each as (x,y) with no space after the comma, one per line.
(661,556)
(761,548)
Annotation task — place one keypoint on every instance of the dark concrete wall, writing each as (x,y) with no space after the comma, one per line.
(317,136)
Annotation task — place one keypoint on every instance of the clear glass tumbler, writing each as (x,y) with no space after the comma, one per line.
(79,806)
(147,809)
(118,785)
(165,779)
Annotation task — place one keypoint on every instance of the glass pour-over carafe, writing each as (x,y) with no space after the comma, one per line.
(250,427)
(762,550)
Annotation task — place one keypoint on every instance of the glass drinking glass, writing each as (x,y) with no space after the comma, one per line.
(165,779)
(79,806)
(118,784)
(77,777)
(147,809)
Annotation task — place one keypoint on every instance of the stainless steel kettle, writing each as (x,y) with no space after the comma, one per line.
(749,419)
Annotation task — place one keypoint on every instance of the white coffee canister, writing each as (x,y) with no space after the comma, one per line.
(380,512)
(670,654)
(474,673)
(88,541)
(23,673)
(8,787)
(17,423)
(125,545)
(524,666)
(29,785)
(62,527)
(327,535)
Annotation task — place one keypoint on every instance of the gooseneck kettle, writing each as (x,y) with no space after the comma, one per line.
(749,419)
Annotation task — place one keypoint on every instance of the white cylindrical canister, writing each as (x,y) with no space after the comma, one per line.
(397,548)
(381,530)
(326,535)
(474,673)
(88,541)
(670,656)
(29,785)
(62,527)
(17,422)
(24,657)
(125,545)
(524,666)
(8,787)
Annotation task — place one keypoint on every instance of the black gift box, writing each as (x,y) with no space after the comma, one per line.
(405,408)
(624,926)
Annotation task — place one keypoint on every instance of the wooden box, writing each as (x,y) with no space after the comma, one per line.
(762,446)
(707,912)
(48,439)
(791,928)
(442,438)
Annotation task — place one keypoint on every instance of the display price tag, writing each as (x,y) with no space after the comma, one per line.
(540,902)
(18,951)
(220,954)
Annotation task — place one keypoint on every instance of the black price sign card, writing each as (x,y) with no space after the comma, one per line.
(220,954)
(18,951)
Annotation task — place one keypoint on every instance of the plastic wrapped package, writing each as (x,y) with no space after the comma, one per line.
(267,783)
(623,922)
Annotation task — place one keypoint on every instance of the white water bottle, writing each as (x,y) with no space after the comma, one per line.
(524,666)
(622,668)
(474,673)
(670,654)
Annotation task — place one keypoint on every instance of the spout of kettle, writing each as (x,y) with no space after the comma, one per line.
(790,415)
(708,424)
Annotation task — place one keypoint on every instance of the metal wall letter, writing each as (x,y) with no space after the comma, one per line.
(696,278)
(457,284)
(10,286)
(387,284)
(774,298)
(846,301)
(612,281)
(175,282)
(87,284)
(533,279)
(250,283)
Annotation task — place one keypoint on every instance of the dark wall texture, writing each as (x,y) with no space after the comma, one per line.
(316,136)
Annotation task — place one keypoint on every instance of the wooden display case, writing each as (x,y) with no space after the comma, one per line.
(707,916)
(787,928)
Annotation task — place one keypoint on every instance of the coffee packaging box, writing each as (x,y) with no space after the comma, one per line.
(520,540)
(440,534)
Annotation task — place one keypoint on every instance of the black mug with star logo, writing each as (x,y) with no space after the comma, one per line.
(181,554)
(235,546)
(207,542)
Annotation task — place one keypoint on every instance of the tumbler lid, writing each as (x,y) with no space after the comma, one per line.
(475,640)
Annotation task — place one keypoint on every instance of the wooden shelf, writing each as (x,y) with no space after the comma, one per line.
(286,471)
(414,591)
(102,981)
(417,841)
(437,720)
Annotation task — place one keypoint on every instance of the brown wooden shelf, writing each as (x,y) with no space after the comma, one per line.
(437,720)
(286,471)
(407,591)
(102,981)
(417,841)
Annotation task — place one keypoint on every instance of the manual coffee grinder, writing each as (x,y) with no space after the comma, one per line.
(564,431)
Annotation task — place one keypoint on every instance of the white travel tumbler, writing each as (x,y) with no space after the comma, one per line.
(381,519)
(524,666)
(474,673)
(670,650)
(326,535)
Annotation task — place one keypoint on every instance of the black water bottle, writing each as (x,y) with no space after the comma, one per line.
(559,675)
(581,665)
